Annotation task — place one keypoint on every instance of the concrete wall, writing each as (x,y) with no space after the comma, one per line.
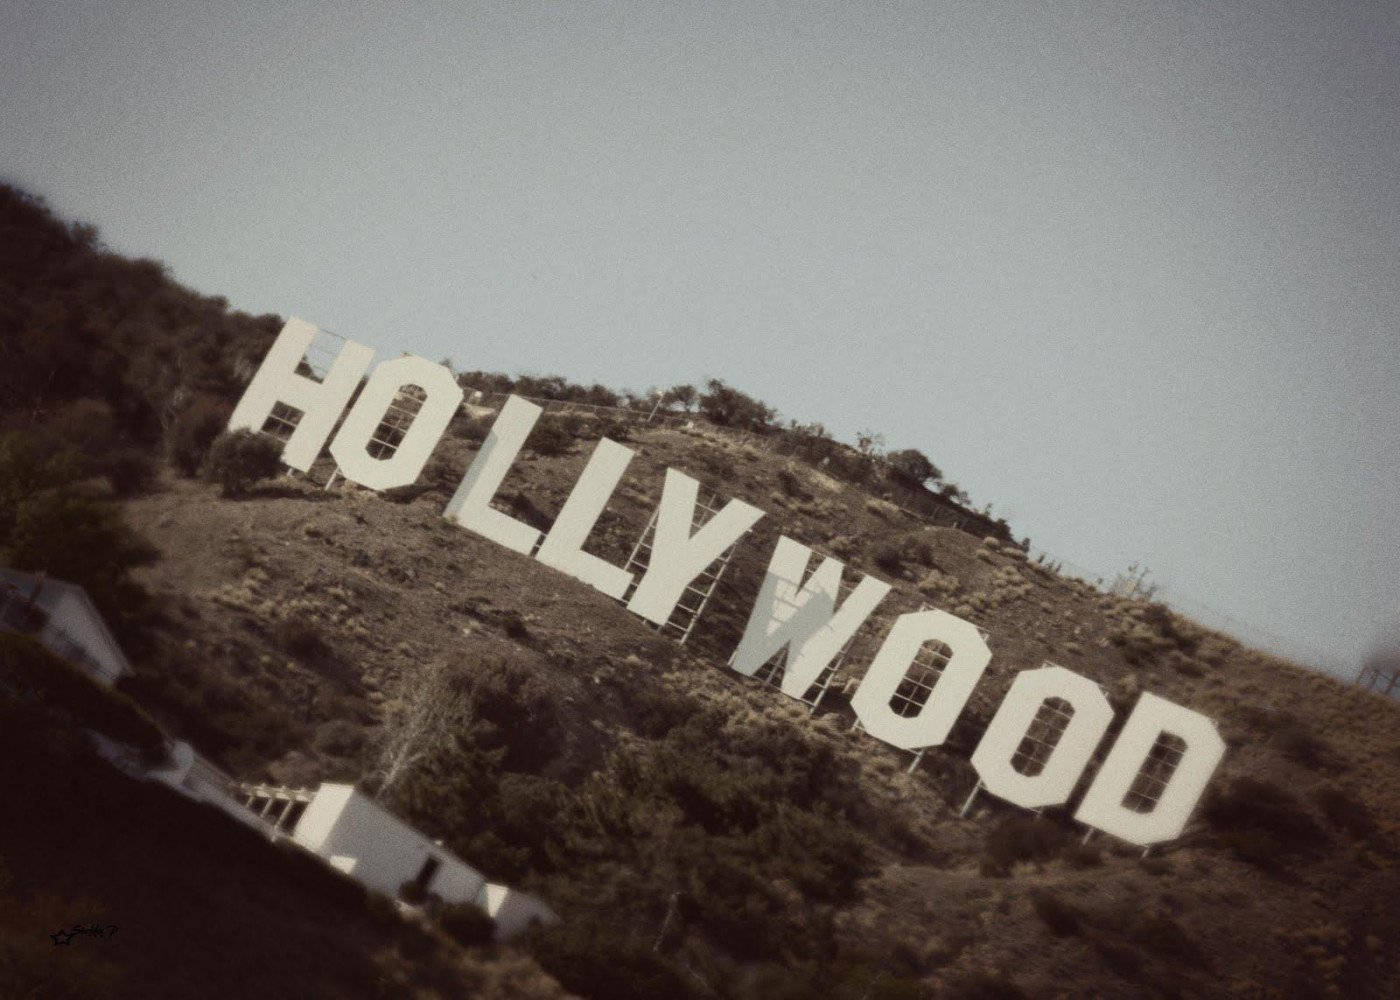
(514,911)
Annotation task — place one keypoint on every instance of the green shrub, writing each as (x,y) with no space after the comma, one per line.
(1020,838)
(913,466)
(301,639)
(194,430)
(984,986)
(1122,959)
(1301,746)
(553,435)
(238,459)
(1343,810)
(473,429)
(1263,824)
(791,484)
(728,407)
(1163,936)
(1062,918)
(51,521)
(1079,855)
(340,738)
(599,961)
(842,546)
(889,557)
(131,471)
(614,429)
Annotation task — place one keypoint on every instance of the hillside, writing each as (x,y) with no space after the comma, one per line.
(701,834)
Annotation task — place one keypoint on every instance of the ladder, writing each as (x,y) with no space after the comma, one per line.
(698,592)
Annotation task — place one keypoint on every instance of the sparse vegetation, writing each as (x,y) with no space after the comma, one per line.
(1262,823)
(238,459)
(1062,918)
(701,835)
(1020,838)
(1345,811)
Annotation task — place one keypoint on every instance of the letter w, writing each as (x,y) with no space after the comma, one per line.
(803,617)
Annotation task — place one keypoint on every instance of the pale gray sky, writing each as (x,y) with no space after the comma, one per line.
(1131,275)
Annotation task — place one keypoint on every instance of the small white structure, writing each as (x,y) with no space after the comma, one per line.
(367,842)
(62,617)
(361,838)
(336,822)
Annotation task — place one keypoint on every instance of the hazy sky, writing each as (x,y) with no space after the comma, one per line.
(1132,276)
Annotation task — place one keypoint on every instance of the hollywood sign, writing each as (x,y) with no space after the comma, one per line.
(796,613)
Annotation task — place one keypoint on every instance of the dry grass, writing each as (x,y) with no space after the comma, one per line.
(387,584)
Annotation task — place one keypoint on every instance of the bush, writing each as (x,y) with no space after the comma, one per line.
(1021,838)
(473,429)
(52,522)
(466,923)
(614,429)
(131,471)
(239,459)
(551,437)
(340,738)
(1081,856)
(194,431)
(791,485)
(1122,959)
(301,639)
(913,466)
(1261,823)
(599,961)
(1164,936)
(1063,919)
(728,407)
(1302,747)
(842,546)
(889,557)
(1345,811)
(984,986)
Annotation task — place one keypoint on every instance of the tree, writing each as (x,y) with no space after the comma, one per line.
(870,443)
(51,522)
(914,466)
(238,459)
(193,430)
(728,407)
(429,709)
(685,395)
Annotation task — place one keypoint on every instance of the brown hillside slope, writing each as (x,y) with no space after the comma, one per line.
(189,903)
(581,777)
(703,835)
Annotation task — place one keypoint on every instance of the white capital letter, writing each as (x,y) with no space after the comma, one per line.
(471,506)
(802,616)
(372,408)
(1072,740)
(928,726)
(1103,805)
(562,548)
(677,557)
(320,403)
